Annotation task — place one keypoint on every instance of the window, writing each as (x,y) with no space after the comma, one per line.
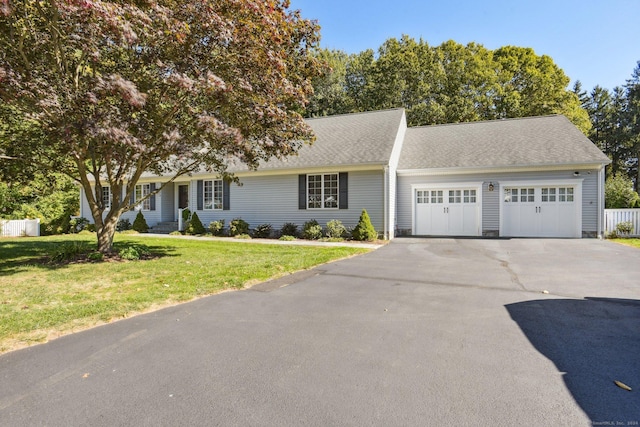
(455,196)
(469,196)
(422,196)
(548,194)
(212,194)
(106,197)
(143,190)
(437,196)
(322,191)
(565,194)
(527,195)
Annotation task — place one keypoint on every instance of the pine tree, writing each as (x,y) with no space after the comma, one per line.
(364,230)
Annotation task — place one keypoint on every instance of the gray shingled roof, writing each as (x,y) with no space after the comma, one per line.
(345,140)
(531,141)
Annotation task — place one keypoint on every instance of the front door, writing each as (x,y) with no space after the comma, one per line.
(183,196)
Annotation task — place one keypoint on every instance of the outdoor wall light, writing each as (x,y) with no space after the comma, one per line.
(491,187)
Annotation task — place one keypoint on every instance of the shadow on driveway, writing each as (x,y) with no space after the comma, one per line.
(593,342)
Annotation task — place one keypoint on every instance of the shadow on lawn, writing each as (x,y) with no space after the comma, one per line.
(15,256)
(593,342)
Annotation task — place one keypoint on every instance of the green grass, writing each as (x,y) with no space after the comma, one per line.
(40,300)
(628,242)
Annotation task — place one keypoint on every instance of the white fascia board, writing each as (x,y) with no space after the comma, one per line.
(509,169)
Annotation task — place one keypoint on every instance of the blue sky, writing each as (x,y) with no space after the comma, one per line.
(594,41)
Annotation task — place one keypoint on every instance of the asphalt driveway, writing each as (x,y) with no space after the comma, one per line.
(419,332)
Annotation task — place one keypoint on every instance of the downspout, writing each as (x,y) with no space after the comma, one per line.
(386,203)
(600,202)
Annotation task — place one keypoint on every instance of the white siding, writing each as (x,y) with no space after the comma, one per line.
(491,200)
(273,199)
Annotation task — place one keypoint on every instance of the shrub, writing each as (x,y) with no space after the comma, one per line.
(263,231)
(69,251)
(217,227)
(85,233)
(335,229)
(90,228)
(289,229)
(133,252)
(624,228)
(140,224)
(243,236)
(76,225)
(238,226)
(195,225)
(175,233)
(287,237)
(364,230)
(95,256)
(123,225)
(311,230)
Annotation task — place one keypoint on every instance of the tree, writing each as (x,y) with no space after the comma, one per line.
(619,194)
(534,85)
(329,89)
(364,230)
(118,88)
(633,111)
(609,129)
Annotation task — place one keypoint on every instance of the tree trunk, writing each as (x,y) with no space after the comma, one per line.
(106,234)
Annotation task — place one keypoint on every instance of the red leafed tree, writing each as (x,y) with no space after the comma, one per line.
(118,88)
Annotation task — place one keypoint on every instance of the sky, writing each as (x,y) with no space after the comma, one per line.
(594,41)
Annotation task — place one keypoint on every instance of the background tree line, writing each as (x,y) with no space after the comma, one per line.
(453,83)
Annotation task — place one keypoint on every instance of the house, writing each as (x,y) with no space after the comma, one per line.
(529,177)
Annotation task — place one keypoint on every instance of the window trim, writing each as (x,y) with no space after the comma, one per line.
(110,197)
(322,176)
(144,205)
(215,183)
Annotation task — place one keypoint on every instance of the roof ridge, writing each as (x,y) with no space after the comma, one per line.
(358,113)
(509,119)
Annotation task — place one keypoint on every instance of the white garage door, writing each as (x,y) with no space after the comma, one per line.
(541,211)
(447,212)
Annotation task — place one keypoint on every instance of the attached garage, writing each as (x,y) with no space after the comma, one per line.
(541,209)
(454,210)
(526,177)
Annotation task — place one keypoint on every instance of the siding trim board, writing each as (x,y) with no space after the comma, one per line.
(510,169)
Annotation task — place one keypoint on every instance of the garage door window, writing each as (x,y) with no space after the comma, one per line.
(469,196)
(565,194)
(426,196)
(527,195)
(548,194)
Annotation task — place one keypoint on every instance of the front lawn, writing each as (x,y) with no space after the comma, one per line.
(41,300)
(628,242)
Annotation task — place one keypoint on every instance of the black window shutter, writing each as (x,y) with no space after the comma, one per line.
(152,199)
(200,188)
(343,185)
(226,199)
(302,191)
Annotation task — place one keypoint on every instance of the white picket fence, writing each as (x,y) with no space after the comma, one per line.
(20,227)
(613,217)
